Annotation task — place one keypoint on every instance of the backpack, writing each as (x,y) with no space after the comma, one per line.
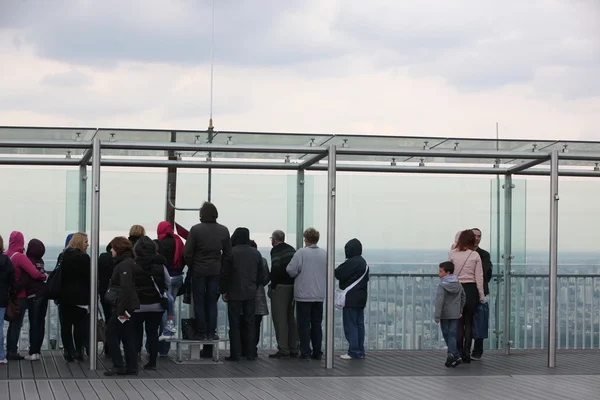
(54,282)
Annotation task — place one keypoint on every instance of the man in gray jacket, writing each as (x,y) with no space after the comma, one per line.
(309,268)
(449,304)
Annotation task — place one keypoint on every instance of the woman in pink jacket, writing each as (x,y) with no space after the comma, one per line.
(469,271)
(24,270)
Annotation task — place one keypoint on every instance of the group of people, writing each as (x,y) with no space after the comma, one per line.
(465,284)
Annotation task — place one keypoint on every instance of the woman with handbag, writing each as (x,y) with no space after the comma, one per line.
(7,280)
(353,275)
(150,286)
(24,271)
(469,271)
(123,300)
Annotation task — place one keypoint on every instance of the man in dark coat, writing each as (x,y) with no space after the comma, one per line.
(354,271)
(486,263)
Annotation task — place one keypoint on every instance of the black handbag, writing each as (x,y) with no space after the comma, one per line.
(112,295)
(13,310)
(54,282)
(187,328)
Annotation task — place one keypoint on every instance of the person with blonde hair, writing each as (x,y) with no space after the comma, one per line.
(136,232)
(74,297)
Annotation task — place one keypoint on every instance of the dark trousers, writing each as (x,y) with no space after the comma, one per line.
(74,329)
(449,331)
(234,314)
(284,319)
(354,330)
(14,329)
(478,347)
(310,318)
(37,308)
(150,322)
(117,333)
(244,333)
(205,292)
(465,324)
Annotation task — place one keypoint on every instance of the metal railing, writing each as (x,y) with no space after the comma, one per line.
(400,315)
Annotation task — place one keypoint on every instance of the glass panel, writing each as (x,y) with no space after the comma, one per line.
(496,249)
(32,133)
(521,300)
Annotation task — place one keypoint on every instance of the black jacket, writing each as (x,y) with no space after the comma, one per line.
(106,266)
(351,270)
(75,284)
(207,248)
(281,255)
(148,266)
(240,278)
(486,263)
(124,278)
(7,280)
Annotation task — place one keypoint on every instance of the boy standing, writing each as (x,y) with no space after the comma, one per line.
(449,303)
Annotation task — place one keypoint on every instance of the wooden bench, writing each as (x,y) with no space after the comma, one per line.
(214,343)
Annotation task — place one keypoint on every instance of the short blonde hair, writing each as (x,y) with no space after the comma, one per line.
(78,241)
(137,231)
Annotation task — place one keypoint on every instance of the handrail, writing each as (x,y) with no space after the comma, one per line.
(173,205)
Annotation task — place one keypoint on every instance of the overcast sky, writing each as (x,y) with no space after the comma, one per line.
(429,67)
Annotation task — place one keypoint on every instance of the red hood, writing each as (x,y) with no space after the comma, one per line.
(164,229)
(16,242)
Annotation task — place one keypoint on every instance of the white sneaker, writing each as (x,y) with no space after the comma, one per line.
(346,357)
(165,336)
(4,361)
(33,357)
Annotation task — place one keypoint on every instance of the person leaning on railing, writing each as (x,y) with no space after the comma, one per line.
(7,280)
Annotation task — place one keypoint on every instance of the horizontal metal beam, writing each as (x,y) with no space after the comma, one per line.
(44,144)
(165,146)
(433,153)
(579,156)
(39,161)
(414,170)
(199,164)
(313,160)
(562,172)
(526,165)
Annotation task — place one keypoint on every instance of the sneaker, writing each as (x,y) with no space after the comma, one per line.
(214,337)
(476,357)
(457,362)
(114,371)
(33,357)
(449,361)
(346,357)
(166,335)
(15,357)
(170,328)
(279,355)
(4,361)
(150,367)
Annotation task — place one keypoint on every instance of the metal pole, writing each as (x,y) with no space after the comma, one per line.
(553,278)
(331,191)
(209,183)
(82,198)
(499,279)
(95,252)
(508,186)
(171,185)
(299,209)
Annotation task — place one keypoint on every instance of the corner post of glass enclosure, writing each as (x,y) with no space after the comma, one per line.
(95,247)
(81,222)
(171,185)
(331,192)
(553,268)
(507,256)
(299,208)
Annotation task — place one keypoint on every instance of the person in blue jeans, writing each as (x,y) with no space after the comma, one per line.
(7,281)
(449,303)
(354,273)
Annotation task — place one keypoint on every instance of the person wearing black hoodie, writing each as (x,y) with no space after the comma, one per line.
(37,304)
(7,281)
(74,298)
(238,284)
(124,302)
(354,269)
(150,285)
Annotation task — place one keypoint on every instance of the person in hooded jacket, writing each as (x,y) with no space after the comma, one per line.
(7,281)
(120,326)
(24,271)
(150,286)
(449,302)
(74,297)
(238,284)
(262,308)
(37,303)
(352,270)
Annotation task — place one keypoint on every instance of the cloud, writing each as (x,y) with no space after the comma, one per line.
(71,78)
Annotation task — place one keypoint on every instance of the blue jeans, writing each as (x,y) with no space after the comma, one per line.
(205,293)
(14,330)
(449,331)
(354,330)
(37,308)
(2,352)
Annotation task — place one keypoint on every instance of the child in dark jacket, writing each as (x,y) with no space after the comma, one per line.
(449,303)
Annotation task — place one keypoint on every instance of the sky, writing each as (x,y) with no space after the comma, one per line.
(431,67)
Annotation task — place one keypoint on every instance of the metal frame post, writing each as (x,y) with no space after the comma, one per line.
(95,251)
(81,223)
(508,186)
(300,209)
(553,268)
(171,185)
(331,192)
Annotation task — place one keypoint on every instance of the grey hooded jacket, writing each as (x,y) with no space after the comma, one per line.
(450,298)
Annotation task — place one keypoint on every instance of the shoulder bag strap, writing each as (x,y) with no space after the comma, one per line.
(463,266)
(349,288)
